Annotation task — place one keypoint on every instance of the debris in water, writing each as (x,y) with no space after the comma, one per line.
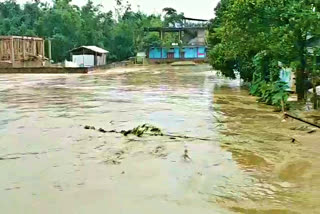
(12,188)
(112,162)
(302,120)
(186,156)
(160,152)
(126,133)
(102,130)
(89,127)
(11,158)
(144,129)
(285,184)
(312,131)
(301,128)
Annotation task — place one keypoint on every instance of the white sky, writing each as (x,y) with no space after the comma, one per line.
(202,9)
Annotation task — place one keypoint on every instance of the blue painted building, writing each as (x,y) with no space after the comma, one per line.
(186,52)
(192,42)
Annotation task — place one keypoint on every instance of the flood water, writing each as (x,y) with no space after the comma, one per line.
(247,164)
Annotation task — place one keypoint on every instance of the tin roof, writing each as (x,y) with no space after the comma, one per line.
(172,29)
(92,48)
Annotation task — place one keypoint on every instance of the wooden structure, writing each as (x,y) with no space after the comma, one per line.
(89,56)
(44,70)
(20,51)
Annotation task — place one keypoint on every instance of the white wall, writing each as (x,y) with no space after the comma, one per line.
(83,60)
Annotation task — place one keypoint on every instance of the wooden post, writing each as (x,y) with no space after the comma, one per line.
(49,50)
(12,52)
(42,49)
(95,61)
(1,41)
(83,57)
(18,49)
(314,69)
(34,47)
(23,49)
(197,52)
(5,49)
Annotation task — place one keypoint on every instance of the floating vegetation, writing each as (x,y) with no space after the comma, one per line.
(144,129)
(89,127)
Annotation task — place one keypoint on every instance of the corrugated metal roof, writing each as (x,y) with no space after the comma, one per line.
(96,49)
(93,48)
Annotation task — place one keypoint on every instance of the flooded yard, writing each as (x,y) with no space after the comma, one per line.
(247,163)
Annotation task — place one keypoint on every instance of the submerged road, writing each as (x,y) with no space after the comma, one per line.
(51,164)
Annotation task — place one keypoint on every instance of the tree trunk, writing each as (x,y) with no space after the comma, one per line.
(314,84)
(315,97)
(300,84)
(300,74)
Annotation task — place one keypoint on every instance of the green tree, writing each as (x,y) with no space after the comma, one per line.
(69,26)
(61,24)
(245,32)
(172,18)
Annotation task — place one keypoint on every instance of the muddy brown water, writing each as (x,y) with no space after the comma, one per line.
(51,164)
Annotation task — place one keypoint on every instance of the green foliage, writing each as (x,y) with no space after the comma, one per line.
(152,39)
(265,67)
(69,26)
(271,93)
(253,36)
(144,129)
(172,18)
(219,61)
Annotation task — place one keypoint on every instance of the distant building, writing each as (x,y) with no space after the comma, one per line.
(176,53)
(140,58)
(192,47)
(21,51)
(89,56)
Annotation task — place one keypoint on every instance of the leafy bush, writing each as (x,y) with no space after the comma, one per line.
(271,93)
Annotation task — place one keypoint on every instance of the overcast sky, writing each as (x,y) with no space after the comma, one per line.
(202,9)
